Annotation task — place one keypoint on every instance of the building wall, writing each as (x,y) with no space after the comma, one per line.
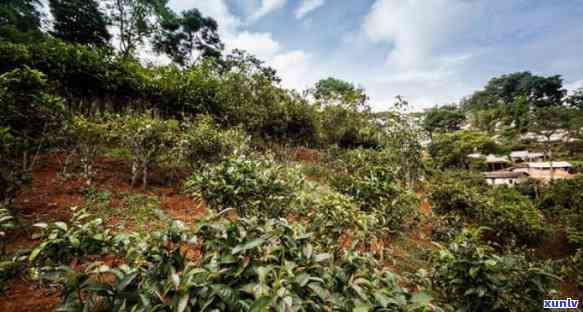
(503,181)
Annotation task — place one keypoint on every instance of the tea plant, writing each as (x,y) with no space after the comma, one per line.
(253,187)
(62,242)
(148,137)
(248,265)
(447,227)
(473,278)
(511,216)
(379,194)
(89,136)
(335,214)
(563,201)
(7,222)
(202,141)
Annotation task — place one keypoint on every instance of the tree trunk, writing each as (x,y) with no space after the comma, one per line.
(134,172)
(145,174)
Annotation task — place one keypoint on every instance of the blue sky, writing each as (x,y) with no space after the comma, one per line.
(429,51)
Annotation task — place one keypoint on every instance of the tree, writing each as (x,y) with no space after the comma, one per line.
(20,21)
(511,97)
(540,91)
(443,119)
(344,113)
(79,21)
(181,35)
(332,91)
(450,150)
(136,20)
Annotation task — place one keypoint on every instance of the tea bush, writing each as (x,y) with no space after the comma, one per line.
(202,141)
(511,215)
(7,222)
(334,214)
(563,201)
(253,187)
(472,277)
(247,265)
(89,136)
(31,121)
(379,194)
(447,227)
(148,137)
(62,242)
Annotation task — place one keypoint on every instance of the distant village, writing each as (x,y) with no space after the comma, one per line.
(520,165)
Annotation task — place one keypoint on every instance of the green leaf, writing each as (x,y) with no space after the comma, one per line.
(421,299)
(182,303)
(41,225)
(261,304)
(61,225)
(322,257)
(74,241)
(249,245)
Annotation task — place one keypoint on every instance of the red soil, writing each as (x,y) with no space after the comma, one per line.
(49,198)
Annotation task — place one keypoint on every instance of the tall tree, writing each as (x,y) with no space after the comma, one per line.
(79,21)
(181,36)
(511,97)
(20,20)
(136,21)
(345,115)
(443,119)
(540,91)
(332,91)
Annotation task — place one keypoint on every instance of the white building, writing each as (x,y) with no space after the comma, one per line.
(548,165)
(518,156)
(505,177)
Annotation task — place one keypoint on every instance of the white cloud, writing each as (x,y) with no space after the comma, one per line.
(308,6)
(260,44)
(417,29)
(266,7)
(295,69)
(293,66)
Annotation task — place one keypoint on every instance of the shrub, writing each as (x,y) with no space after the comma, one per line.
(379,194)
(88,137)
(510,216)
(472,278)
(7,222)
(334,214)
(148,137)
(246,265)
(31,120)
(563,200)
(447,227)
(32,116)
(253,187)
(450,196)
(204,142)
(62,242)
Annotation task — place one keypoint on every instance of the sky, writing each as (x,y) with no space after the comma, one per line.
(431,52)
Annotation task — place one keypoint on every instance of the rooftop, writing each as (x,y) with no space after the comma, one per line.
(547,164)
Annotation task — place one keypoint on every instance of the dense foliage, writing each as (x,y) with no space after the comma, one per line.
(253,187)
(224,265)
(511,216)
(474,278)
